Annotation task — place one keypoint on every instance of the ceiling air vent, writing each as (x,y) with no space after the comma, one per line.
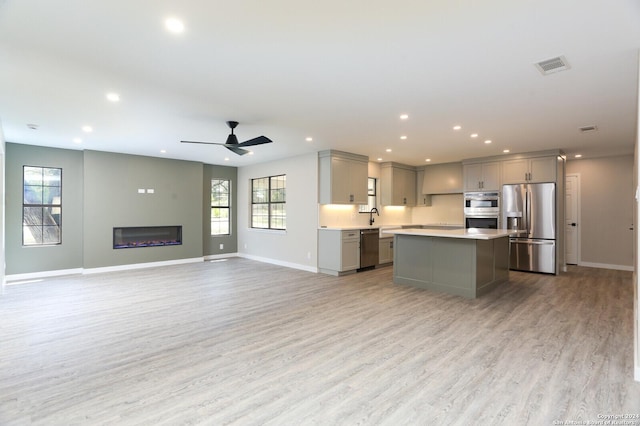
(586,129)
(552,65)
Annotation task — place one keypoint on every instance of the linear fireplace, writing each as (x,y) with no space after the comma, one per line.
(146,236)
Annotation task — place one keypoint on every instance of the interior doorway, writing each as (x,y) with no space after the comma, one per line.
(572,218)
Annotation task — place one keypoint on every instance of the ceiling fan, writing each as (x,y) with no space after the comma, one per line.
(232,141)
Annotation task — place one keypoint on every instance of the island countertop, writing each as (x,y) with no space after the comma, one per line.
(469,233)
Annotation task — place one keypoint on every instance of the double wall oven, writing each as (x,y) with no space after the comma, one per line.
(482,210)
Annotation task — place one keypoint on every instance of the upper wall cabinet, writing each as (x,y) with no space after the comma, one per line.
(342,178)
(442,179)
(522,170)
(482,176)
(397,184)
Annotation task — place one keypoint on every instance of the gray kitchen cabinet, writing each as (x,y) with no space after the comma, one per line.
(443,178)
(482,176)
(536,169)
(342,178)
(397,184)
(338,251)
(385,253)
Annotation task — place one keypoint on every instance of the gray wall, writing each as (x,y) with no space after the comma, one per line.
(212,243)
(100,192)
(111,199)
(606,209)
(68,255)
(2,208)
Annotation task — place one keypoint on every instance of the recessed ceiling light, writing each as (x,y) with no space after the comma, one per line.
(163,151)
(113,97)
(77,140)
(428,160)
(379,159)
(457,127)
(487,141)
(403,137)
(474,135)
(250,153)
(388,149)
(309,139)
(87,129)
(404,117)
(578,155)
(32,126)
(505,150)
(226,158)
(174,25)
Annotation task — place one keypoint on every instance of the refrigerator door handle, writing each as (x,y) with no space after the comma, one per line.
(532,242)
(527,211)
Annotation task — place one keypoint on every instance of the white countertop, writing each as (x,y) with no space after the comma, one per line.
(348,228)
(382,227)
(470,233)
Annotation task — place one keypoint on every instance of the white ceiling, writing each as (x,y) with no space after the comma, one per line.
(341,72)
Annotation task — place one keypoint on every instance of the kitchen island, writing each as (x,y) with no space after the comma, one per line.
(464,262)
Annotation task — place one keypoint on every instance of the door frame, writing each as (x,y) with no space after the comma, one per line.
(578,218)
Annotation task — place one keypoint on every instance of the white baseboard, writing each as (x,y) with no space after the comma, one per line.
(16,278)
(141,265)
(220,256)
(38,275)
(280,263)
(606,266)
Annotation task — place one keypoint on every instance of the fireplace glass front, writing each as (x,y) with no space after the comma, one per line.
(146,236)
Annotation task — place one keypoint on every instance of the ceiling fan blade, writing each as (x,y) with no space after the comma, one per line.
(232,140)
(256,141)
(237,150)
(203,143)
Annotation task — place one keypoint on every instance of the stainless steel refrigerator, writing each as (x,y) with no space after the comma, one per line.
(531,208)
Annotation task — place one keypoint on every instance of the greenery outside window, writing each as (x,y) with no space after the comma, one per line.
(41,206)
(220,207)
(371,197)
(268,202)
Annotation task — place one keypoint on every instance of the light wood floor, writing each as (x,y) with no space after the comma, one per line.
(247,343)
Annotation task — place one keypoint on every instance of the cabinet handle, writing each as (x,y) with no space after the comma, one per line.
(404,200)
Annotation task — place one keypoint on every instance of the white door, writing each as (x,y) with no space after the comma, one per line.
(571,206)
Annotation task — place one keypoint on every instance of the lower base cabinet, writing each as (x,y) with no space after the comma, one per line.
(338,251)
(385,251)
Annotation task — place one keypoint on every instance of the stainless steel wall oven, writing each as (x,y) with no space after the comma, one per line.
(482,210)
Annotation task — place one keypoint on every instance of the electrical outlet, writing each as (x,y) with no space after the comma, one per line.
(245,246)
(309,255)
(221,246)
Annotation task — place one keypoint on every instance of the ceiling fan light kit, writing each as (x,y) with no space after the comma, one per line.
(232,143)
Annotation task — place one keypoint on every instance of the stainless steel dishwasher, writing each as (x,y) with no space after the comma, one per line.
(369,248)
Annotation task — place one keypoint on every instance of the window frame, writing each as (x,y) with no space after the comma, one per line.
(270,204)
(372,198)
(220,207)
(51,206)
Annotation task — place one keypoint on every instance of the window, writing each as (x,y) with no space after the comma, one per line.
(41,206)
(268,202)
(371,197)
(220,206)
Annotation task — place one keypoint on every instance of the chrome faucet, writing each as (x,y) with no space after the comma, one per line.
(371,219)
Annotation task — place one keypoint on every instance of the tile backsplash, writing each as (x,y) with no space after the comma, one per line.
(446,208)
